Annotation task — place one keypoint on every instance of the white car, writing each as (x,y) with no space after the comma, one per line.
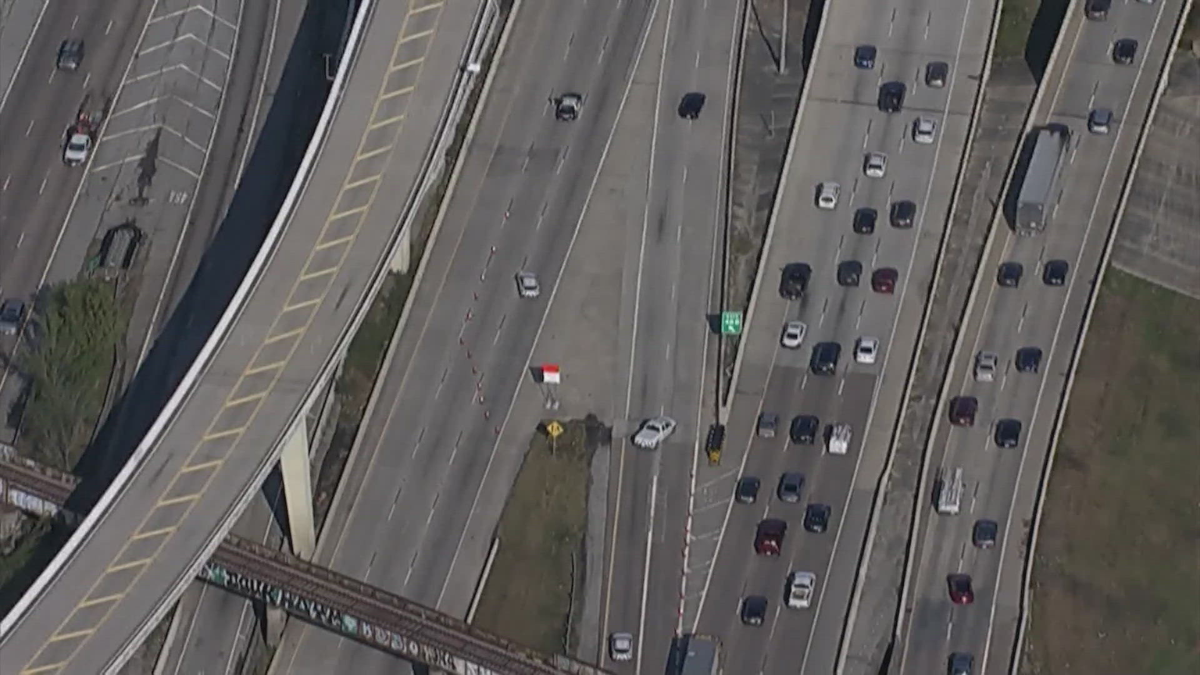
(866,350)
(801,587)
(793,334)
(653,432)
(924,129)
(620,646)
(875,165)
(827,196)
(985,366)
(78,147)
(527,285)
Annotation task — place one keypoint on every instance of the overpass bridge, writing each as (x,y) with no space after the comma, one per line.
(241,404)
(319,595)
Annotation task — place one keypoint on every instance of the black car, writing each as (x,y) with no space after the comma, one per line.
(1029,359)
(754,610)
(804,429)
(960,664)
(794,281)
(825,357)
(903,213)
(567,107)
(1055,272)
(691,104)
(816,517)
(849,272)
(891,96)
(747,489)
(12,311)
(1097,10)
(1008,433)
(864,56)
(1009,274)
(790,486)
(70,54)
(936,73)
(864,220)
(983,534)
(1124,50)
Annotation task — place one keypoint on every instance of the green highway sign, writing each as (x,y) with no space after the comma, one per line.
(731,323)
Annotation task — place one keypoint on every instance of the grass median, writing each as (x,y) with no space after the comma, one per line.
(1115,583)
(533,591)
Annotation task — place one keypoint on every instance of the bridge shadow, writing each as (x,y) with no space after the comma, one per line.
(1042,34)
(286,128)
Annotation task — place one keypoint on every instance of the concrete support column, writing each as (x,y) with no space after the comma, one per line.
(274,621)
(402,260)
(297,490)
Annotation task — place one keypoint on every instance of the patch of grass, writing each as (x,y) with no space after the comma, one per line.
(530,593)
(1116,583)
(1016,20)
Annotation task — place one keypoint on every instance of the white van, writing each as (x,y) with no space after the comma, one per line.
(839,439)
(949,491)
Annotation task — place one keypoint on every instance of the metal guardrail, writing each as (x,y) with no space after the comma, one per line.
(320,596)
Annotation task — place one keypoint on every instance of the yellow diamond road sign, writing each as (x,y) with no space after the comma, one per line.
(554,429)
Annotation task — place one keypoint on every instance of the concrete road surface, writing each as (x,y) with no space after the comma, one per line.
(1001,483)
(215,451)
(840,123)
(436,468)
(36,188)
(668,356)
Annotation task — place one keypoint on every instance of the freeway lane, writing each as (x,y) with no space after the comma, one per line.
(1001,484)
(840,123)
(671,254)
(36,188)
(436,475)
(185,494)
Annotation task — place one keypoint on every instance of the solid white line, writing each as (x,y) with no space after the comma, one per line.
(646,569)
(24,52)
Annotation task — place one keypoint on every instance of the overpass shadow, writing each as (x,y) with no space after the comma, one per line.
(1042,34)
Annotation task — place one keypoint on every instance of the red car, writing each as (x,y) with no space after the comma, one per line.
(960,589)
(884,280)
(769,538)
(962,411)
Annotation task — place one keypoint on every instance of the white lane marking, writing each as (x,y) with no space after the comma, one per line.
(20,240)
(24,52)
(42,188)
(108,27)
(646,568)
(29,128)
(987,645)
(6,180)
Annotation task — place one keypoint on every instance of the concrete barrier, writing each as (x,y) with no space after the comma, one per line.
(1060,413)
(266,252)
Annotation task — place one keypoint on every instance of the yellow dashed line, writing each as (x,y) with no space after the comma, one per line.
(263,369)
(200,467)
(319,273)
(178,500)
(350,212)
(336,242)
(426,8)
(361,156)
(416,36)
(154,533)
(399,92)
(384,123)
(361,181)
(59,637)
(283,336)
(124,566)
(303,305)
(219,435)
(42,669)
(99,601)
(407,64)
(234,402)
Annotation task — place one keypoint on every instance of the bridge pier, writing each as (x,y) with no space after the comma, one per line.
(297,489)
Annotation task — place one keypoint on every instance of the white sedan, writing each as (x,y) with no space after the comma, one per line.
(654,432)
(866,350)
(985,366)
(827,196)
(924,129)
(793,334)
(620,646)
(801,587)
(875,165)
(527,285)
(78,147)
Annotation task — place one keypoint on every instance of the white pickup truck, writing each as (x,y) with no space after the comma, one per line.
(839,439)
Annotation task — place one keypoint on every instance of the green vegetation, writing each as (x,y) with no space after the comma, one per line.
(1115,582)
(68,358)
(1016,20)
(530,594)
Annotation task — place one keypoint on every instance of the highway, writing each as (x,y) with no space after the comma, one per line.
(838,125)
(213,454)
(1001,484)
(434,473)
(670,284)
(36,188)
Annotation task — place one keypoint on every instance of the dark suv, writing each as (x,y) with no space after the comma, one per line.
(816,517)
(1124,50)
(936,73)
(864,56)
(1029,359)
(961,664)
(1008,433)
(768,538)
(904,212)
(864,220)
(794,281)
(891,96)
(804,429)
(1009,274)
(962,410)
(1097,10)
(825,358)
(1055,272)
(691,104)
(747,489)
(849,272)
(70,55)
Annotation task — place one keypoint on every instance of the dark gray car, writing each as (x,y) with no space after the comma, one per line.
(767,424)
(747,489)
(983,534)
(790,485)
(70,55)
(961,664)
(11,314)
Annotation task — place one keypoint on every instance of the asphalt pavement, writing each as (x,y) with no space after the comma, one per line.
(1001,484)
(447,436)
(36,188)
(671,285)
(840,123)
(183,496)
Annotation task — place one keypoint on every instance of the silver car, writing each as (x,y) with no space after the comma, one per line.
(827,195)
(875,165)
(924,129)
(654,432)
(527,285)
(793,334)
(985,366)
(620,646)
